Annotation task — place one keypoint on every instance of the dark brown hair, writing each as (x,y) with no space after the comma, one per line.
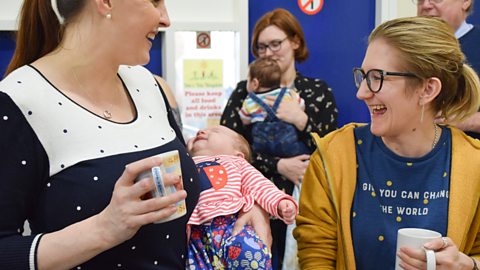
(284,20)
(266,71)
(40,32)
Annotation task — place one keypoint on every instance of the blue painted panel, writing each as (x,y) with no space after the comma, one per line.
(155,64)
(474,18)
(336,38)
(7,47)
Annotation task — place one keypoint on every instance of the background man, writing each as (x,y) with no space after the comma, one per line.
(455,13)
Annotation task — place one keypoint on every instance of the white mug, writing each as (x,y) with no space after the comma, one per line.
(416,238)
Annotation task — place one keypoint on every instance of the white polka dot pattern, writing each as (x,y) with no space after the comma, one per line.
(63,153)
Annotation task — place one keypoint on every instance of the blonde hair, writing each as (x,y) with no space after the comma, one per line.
(429,49)
(244,147)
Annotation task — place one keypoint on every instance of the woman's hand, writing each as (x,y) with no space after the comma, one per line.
(259,220)
(289,111)
(293,168)
(118,222)
(446,254)
(127,212)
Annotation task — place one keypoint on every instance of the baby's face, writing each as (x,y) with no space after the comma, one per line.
(216,140)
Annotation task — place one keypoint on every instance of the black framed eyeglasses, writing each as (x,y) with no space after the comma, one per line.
(420,2)
(375,77)
(274,46)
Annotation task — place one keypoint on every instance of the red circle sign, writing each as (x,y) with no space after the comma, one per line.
(203,40)
(310,7)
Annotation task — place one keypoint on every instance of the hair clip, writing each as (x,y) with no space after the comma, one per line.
(57,12)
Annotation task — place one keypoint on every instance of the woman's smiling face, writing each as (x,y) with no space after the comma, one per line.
(395,108)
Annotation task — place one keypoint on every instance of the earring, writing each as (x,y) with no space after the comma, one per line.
(421,115)
(108,16)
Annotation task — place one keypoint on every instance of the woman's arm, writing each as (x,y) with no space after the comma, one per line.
(118,222)
(316,231)
(259,220)
(320,106)
(171,101)
(24,175)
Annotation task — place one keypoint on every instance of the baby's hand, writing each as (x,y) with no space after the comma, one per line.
(286,210)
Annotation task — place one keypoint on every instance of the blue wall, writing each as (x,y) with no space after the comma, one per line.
(336,38)
(7,47)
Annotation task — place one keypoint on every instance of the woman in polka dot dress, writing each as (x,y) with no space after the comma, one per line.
(79,120)
(364,182)
(77,127)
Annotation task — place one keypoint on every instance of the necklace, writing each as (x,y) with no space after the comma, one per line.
(435,138)
(107,114)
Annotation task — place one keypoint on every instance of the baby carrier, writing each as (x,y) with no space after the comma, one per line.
(274,136)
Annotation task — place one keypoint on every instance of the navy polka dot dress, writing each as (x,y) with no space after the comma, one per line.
(59,163)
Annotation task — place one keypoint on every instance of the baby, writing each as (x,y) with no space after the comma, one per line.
(270,135)
(230,184)
(264,75)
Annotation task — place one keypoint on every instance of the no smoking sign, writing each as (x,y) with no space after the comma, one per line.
(203,40)
(310,7)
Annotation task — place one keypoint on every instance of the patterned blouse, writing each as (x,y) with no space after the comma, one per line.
(320,108)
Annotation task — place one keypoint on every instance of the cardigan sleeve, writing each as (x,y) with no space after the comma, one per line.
(23,166)
(316,231)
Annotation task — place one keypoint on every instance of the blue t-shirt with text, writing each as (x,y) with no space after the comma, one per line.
(394,192)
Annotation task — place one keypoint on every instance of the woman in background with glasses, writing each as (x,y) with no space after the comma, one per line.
(278,35)
(365,182)
(455,14)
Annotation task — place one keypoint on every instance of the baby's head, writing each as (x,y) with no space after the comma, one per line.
(219,140)
(263,74)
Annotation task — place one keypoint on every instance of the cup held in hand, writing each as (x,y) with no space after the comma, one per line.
(170,164)
(416,238)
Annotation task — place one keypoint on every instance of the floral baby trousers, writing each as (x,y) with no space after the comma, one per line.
(212,246)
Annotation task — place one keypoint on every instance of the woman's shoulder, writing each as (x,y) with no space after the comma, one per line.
(302,81)
(20,78)
(241,88)
(25,87)
(340,136)
(462,140)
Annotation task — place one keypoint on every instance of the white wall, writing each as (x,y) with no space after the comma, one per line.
(406,8)
(9,10)
(194,15)
(186,15)
(391,9)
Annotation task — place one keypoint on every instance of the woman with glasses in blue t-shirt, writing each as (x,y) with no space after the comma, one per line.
(365,182)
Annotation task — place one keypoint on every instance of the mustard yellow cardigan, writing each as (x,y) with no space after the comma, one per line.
(323,225)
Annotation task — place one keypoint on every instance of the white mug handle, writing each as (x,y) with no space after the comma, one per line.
(431,262)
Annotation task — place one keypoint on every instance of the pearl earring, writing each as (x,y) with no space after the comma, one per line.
(108,16)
